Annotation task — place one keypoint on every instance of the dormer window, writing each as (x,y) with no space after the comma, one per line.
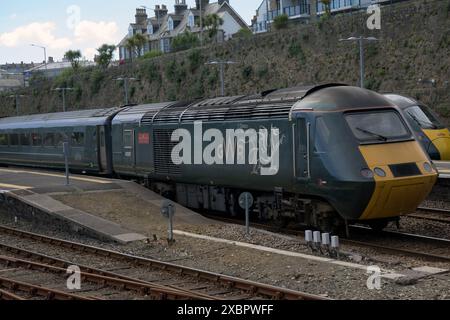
(191,20)
(170,23)
(130,31)
(150,29)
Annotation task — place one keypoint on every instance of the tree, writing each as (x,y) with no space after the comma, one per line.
(244,33)
(105,55)
(74,57)
(212,23)
(135,44)
(184,41)
(327,4)
(281,22)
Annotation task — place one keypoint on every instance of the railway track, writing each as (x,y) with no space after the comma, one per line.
(405,250)
(137,274)
(432,214)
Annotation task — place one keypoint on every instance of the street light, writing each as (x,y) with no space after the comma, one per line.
(125,85)
(63,90)
(16,98)
(222,64)
(361,41)
(45,53)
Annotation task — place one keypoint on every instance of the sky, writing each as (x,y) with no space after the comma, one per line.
(70,24)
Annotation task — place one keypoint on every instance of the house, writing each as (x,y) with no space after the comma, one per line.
(301,10)
(164,26)
(10,81)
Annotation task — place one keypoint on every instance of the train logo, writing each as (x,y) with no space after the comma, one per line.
(229,147)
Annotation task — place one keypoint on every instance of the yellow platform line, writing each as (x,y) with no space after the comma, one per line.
(57,176)
(13,186)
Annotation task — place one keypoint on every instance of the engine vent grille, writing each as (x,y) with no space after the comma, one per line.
(405,170)
(162,148)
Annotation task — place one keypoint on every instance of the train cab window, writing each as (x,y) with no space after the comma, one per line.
(49,139)
(24,139)
(322,137)
(423,117)
(77,138)
(36,140)
(380,126)
(3,139)
(14,139)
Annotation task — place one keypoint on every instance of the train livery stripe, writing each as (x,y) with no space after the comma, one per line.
(57,176)
(441,140)
(393,196)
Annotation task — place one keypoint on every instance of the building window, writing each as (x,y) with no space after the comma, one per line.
(150,29)
(191,20)
(130,31)
(170,22)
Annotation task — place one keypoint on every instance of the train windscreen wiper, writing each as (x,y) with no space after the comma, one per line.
(379,136)
(421,122)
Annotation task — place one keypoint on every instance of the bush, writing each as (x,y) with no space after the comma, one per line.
(151,54)
(281,22)
(195,59)
(244,33)
(185,41)
(296,51)
(247,72)
(97,78)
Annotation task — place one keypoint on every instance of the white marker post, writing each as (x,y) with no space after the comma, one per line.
(66,161)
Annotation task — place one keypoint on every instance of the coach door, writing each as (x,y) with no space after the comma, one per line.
(129,148)
(103,161)
(301,130)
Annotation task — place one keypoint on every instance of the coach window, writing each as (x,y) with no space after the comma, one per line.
(3,139)
(14,139)
(24,139)
(36,140)
(77,138)
(60,138)
(49,139)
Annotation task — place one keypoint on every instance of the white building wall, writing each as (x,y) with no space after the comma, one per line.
(230,26)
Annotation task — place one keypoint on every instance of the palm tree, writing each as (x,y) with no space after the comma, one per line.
(327,4)
(73,56)
(135,45)
(212,23)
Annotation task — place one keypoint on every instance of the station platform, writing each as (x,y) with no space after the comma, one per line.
(443,169)
(79,203)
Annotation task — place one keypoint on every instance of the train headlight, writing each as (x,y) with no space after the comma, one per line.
(367,173)
(428,167)
(380,172)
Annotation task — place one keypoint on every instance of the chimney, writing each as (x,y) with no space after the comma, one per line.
(204,4)
(180,6)
(160,11)
(141,16)
(51,60)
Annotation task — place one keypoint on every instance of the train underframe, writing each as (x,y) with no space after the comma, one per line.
(277,206)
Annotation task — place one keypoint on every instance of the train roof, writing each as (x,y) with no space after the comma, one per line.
(62,119)
(402,101)
(341,98)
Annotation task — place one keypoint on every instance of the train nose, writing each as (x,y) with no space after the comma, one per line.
(443,147)
(403,176)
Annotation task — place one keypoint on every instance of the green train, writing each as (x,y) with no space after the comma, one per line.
(323,155)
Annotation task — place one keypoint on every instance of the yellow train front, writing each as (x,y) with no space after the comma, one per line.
(430,131)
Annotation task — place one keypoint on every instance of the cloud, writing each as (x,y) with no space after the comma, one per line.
(13,16)
(36,32)
(85,36)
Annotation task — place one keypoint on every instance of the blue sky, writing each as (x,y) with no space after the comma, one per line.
(58,26)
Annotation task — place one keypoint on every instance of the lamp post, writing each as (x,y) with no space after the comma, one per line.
(63,90)
(361,41)
(221,64)
(45,53)
(126,82)
(16,99)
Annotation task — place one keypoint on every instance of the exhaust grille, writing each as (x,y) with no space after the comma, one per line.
(162,149)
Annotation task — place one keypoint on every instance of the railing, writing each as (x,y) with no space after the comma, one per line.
(297,10)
